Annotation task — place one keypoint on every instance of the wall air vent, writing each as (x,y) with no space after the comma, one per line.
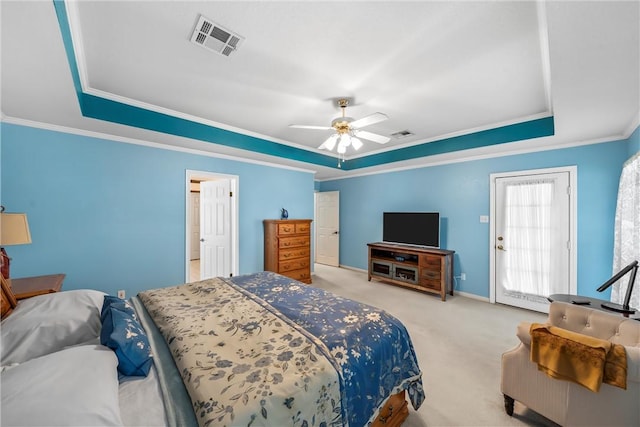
(215,37)
(402,134)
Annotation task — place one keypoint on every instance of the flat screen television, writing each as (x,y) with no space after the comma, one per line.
(412,228)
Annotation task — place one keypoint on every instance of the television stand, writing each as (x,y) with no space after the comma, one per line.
(423,269)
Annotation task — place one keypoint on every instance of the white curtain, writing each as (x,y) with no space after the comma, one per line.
(626,248)
(528,227)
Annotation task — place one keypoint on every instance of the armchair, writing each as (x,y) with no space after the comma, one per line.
(565,402)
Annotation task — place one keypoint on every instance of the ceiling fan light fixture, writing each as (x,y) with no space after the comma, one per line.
(330,142)
(347,131)
(345,140)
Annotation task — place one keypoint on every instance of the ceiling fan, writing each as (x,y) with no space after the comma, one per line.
(348,130)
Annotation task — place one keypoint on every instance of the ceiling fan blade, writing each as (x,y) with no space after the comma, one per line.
(368,120)
(310,127)
(372,136)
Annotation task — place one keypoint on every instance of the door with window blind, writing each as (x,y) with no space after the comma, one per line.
(532,238)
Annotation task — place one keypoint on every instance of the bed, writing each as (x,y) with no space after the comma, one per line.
(257,349)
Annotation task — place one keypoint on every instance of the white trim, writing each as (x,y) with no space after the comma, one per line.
(573,227)
(427,161)
(471,296)
(545,56)
(348,267)
(173,113)
(235,215)
(431,161)
(76,40)
(464,132)
(145,143)
(635,123)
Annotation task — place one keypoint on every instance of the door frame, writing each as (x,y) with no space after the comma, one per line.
(235,186)
(573,219)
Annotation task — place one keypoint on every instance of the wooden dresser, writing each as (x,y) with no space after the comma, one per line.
(287,248)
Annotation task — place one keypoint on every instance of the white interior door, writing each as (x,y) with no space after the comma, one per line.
(532,241)
(215,229)
(328,228)
(194,211)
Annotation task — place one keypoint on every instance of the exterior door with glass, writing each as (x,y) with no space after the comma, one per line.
(532,238)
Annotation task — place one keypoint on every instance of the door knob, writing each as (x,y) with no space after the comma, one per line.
(500,238)
(202,240)
(500,247)
(335,232)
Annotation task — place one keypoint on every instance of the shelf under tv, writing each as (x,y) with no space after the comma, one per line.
(420,268)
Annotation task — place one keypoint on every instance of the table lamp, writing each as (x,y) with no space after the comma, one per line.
(14,230)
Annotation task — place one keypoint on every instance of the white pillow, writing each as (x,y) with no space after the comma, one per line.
(73,387)
(49,323)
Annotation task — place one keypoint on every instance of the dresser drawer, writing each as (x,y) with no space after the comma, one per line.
(431,262)
(303,228)
(303,275)
(292,242)
(286,229)
(298,252)
(429,274)
(294,264)
(435,285)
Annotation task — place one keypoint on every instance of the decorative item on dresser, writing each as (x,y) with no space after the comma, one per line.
(424,269)
(287,248)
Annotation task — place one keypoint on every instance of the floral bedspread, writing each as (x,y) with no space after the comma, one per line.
(241,362)
(263,349)
(371,349)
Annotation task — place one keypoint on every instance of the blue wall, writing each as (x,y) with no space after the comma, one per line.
(460,192)
(111,215)
(634,142)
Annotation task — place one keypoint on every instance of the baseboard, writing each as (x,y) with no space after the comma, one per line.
(359,270)
(472,296)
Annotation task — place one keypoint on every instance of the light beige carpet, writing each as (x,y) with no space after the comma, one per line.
(458,344)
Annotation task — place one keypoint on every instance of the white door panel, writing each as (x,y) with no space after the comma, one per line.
(195,226)
(328,228)
(532,241)
(215,229)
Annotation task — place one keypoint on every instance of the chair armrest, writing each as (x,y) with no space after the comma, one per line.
(633,364)
(523,333)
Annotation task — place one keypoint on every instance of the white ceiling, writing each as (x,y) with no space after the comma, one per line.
(437,69)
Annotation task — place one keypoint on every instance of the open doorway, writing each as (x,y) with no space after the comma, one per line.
(211,230)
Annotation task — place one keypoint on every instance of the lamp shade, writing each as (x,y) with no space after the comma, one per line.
(14,229)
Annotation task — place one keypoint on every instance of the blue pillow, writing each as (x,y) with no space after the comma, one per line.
(122,332)
(123,305)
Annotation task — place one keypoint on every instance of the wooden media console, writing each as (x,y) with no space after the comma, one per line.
(423,269)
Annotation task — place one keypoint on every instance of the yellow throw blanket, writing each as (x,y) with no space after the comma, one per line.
(576,357)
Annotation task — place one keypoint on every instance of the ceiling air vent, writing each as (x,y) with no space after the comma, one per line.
(402,134)
(215,37)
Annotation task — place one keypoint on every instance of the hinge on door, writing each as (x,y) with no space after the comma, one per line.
(230,274)
(569,190)
(568,244)
(230,193)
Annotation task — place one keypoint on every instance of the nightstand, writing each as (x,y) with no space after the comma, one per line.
(28,287)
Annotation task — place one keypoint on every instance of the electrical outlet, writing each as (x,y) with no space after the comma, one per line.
(463,276)
(121,293)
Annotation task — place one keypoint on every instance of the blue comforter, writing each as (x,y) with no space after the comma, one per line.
(370,349)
